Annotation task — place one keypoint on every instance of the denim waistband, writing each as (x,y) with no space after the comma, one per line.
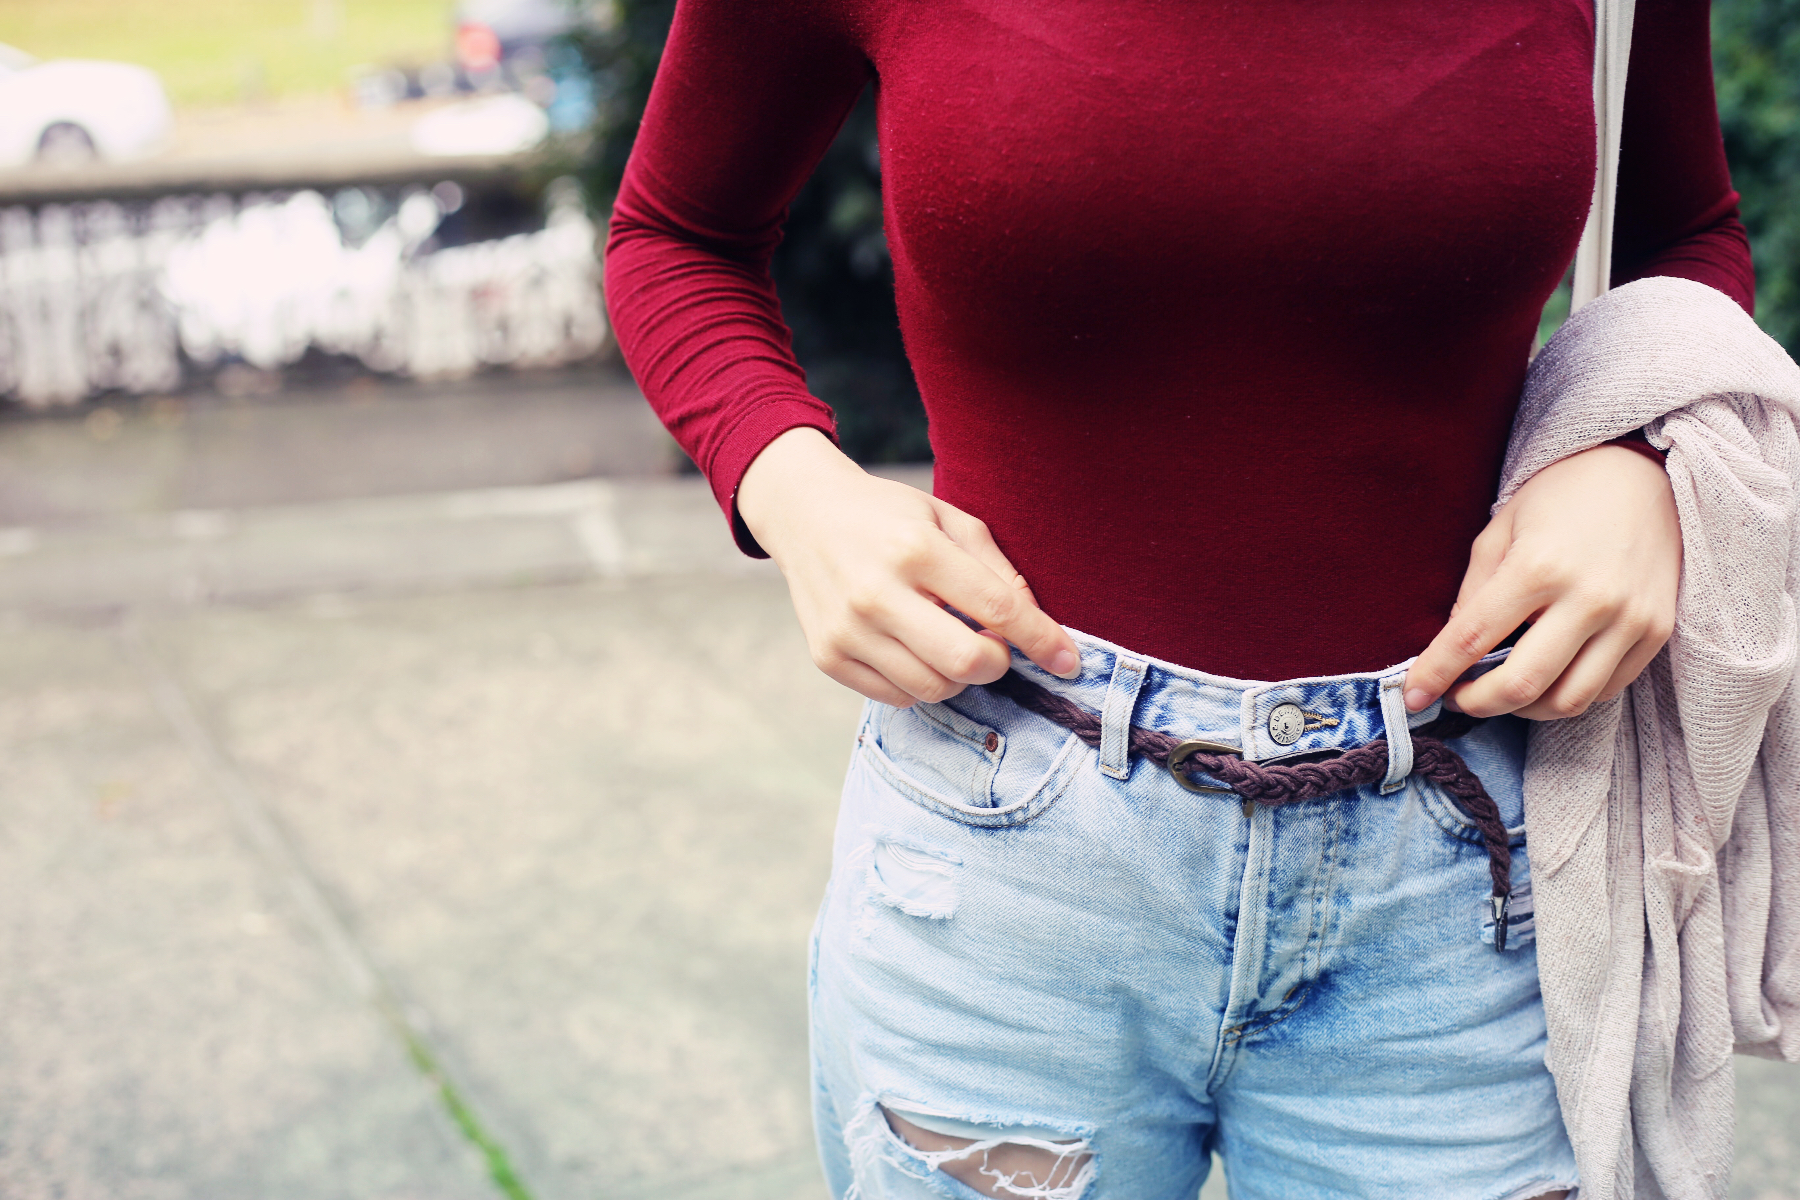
(1264,721)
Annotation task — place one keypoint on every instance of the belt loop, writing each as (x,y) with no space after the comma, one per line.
(1399,736)
(1115,716)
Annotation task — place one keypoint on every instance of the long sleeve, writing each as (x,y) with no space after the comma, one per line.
(1253,283)
(1677,212)
(747,100)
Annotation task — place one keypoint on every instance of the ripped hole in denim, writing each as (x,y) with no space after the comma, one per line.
(1011,1163)
(909,879)
(1540,1191)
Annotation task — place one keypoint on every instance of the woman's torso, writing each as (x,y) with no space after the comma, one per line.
(1219,311)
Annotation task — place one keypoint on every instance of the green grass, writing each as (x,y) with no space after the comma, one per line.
(493,1154)
(212,52)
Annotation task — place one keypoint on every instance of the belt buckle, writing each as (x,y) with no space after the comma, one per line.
(1186,750)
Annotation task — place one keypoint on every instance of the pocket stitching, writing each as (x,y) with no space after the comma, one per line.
(939,718)
(1047,791)
(935,713)
(1443,809)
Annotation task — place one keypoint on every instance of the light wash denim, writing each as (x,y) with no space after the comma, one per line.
(1025,939)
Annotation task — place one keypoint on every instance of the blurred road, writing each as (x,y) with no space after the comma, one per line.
(394,808)
(256,447)
(302,141)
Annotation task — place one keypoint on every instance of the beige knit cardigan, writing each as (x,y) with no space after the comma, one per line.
(1664,826)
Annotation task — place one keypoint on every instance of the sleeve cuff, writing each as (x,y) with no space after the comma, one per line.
(747,440)
(1635,440)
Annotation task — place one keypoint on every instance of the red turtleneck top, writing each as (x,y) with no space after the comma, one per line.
(1220,311)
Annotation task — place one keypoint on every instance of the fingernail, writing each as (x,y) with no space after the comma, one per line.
(1417,699)
(1066,664)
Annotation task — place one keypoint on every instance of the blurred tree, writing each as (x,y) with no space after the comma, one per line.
(833,270)
(620,51)
(1756,58)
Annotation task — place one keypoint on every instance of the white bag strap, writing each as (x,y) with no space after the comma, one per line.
(1612,54)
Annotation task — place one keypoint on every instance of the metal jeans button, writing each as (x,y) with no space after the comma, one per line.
(1286,723)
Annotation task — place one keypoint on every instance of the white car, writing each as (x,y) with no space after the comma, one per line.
(69,111)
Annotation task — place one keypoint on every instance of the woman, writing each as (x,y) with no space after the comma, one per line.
(1220,314)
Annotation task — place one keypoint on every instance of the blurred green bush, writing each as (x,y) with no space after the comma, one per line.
(836,279)
(1756,62)
(832,268)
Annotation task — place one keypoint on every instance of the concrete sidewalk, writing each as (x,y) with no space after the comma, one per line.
(435,896)
(457,844)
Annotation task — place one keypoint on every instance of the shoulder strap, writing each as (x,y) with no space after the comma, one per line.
(1612,53)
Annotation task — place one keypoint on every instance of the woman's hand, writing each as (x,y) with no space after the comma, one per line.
(871,564)
(1588,551)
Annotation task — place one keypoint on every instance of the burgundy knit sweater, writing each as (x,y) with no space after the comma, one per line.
(1220,310)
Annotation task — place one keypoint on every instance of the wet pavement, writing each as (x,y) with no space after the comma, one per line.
(380,826)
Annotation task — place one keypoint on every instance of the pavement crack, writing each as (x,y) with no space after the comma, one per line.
(260,827)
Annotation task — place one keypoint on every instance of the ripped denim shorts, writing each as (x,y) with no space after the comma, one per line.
(1030,942)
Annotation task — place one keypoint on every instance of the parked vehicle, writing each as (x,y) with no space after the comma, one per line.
(71,111)
(493,33)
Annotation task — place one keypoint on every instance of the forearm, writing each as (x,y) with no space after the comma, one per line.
(747,99)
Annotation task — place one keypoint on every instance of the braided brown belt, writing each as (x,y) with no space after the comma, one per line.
(1280,783)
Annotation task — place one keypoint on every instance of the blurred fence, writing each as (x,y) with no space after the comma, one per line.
(140,296)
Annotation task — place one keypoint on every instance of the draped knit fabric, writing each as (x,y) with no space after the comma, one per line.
(1665,825)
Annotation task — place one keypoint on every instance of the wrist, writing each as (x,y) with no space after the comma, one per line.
(784,480)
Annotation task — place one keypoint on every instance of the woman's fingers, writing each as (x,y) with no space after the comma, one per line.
(973,535)
(1632,665)
(1589,551)
(1598,672)
(1482,620)
(910,640)
(943,643)
(892,620)
(875,632)
(1602,662)
(1583,646)
(1584,681)
(1536,662)
(1005,600)
(897,663)
(860,677)
(871,564)
(957,578)
(1560,667)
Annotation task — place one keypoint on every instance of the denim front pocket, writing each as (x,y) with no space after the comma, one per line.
(943,750)
(977,758)
(1495,751)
